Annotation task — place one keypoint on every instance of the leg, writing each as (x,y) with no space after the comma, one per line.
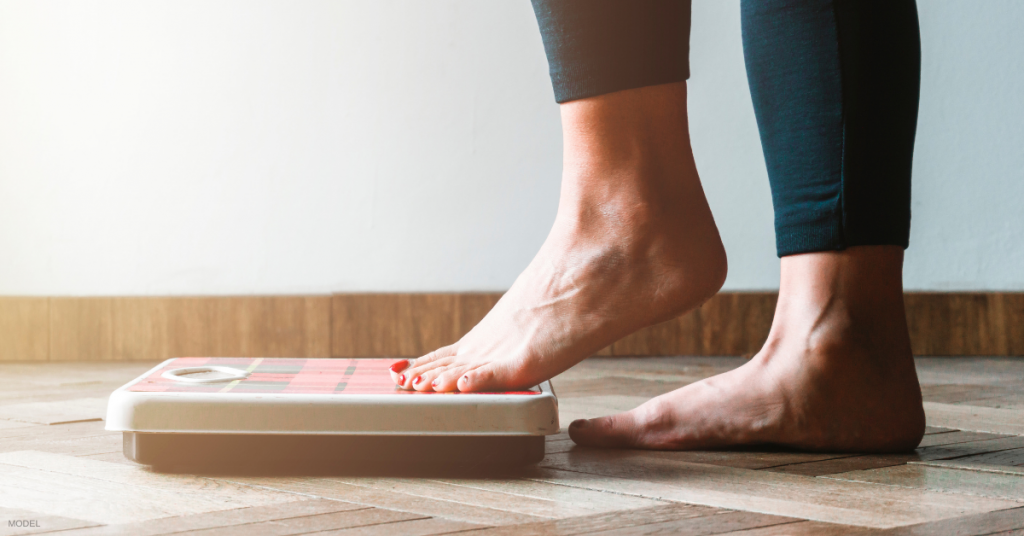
(835,88)
(634,242)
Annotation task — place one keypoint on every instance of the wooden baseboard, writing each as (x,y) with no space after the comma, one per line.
(403,325)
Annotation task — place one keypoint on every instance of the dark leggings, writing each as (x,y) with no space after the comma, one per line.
(835,86)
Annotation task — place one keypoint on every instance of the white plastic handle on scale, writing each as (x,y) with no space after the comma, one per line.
(182,374)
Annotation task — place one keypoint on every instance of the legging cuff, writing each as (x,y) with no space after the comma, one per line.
(828,236)
(602,46)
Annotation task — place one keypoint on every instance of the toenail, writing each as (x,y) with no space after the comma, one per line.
(400,365)
(417,380)
(401,379)
(433,384)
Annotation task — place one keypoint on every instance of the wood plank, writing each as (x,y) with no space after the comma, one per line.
(70,374)
(23,439)
(1014,401)
(61,412)
(960,449)
(81,329)
(14,522)
(223,518)
(110,443)
(1010,311)
(843,465)
(589,407)
(817,499)
(950,438)
(746,459)
(959,393)
(591,524)
(679,336)
(21,395)
(964,318)
(415,527)
(472,307)
(944,479)
(591,501)
(101,492)
(8,425)
(554,504)
(997,371)
(616,385)
(427,506)
(979,467)
(730,323)
(736,323)
(1000,522)
(228,326)
(952,444)
(110,457)
(384,325)
(676,369)
(807,528)
(975,418)
(24,329)
(555,447)
(718,524)
(400,325)
(56,431)
(316,523)
(1004,458)
(411,325)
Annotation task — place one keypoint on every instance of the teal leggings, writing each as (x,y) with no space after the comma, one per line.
(835,86)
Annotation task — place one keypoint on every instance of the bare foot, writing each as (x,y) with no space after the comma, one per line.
(633,244)
(836,374)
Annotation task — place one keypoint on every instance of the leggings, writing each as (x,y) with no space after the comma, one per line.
(835,86)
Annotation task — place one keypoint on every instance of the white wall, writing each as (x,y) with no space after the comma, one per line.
(238,146)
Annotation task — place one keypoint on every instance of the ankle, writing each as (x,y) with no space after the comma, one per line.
(621,129)
(860,276)
(861,286)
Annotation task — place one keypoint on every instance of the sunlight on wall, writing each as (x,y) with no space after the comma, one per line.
(236,147)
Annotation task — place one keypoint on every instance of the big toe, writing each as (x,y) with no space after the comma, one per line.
(614,431)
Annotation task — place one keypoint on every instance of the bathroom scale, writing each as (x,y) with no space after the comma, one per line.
(231,411)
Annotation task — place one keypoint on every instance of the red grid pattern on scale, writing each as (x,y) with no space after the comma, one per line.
(286,376)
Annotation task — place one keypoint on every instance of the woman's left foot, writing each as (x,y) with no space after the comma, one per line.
(836,374)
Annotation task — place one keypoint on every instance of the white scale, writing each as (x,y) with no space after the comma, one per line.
(217,411)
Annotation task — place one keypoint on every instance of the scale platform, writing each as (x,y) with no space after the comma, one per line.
(229,411)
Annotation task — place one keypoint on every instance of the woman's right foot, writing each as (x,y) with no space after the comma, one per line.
(633,244)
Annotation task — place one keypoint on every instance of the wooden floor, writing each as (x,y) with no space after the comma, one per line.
(60,471)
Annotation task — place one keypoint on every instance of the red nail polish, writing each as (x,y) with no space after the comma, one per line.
(434,384)
(400,365)
(401,379)
(417,380)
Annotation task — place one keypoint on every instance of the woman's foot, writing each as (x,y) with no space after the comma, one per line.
(836,373)
(633,244)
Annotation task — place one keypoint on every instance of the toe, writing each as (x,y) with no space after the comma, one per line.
(447,379)
(397,371)
(418,368)
(491,377)
(614,431)
(425,380)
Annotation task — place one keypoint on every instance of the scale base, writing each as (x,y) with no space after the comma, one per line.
(240,450)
